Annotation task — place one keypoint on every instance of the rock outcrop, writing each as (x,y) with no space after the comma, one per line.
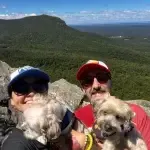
(71,93)
(4,78)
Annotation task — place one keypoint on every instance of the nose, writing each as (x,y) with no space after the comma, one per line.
(96,83)
(107,127)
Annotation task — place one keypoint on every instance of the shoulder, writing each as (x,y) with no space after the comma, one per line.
(141,118)
(139,111)
(142,122)
(15,140)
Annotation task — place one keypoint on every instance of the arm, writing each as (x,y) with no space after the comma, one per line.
(16,141)
(13,145)
(78,140)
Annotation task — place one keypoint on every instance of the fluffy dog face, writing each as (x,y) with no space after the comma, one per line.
(43,118)
(113,116)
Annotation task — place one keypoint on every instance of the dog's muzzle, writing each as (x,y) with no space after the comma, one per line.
(102,135)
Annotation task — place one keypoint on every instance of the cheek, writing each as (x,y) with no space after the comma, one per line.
(16,100)
(109,84)
(87,91)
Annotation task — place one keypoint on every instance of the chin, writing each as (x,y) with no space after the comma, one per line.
(99,97)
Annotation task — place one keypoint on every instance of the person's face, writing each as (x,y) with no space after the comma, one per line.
(24,90)
(96,85)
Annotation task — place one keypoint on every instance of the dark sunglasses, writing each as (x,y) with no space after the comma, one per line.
(23,88)
(101,77)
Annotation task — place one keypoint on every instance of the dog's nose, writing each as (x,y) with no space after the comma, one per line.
(107,127)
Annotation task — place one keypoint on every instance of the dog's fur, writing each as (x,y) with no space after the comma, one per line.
(43,118)
(114,119)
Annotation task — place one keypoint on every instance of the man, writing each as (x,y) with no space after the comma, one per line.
(95,80)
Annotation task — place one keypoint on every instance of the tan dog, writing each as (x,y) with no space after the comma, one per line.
(113,118)
(42,120)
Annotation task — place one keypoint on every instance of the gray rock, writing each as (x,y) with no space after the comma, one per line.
(70,94)
(4,78)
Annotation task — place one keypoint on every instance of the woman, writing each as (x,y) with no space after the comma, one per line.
(24,83)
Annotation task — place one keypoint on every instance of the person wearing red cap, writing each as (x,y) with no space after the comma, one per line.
(95,79)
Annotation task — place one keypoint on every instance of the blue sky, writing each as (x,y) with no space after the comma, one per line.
(79,11)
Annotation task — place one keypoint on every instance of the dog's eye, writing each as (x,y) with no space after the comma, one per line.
(118,117)
(104,112)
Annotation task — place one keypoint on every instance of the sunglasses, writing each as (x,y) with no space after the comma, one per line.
(24,88)
(101,78)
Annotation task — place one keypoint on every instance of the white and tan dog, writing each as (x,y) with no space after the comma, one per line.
(114,121)
(42,120)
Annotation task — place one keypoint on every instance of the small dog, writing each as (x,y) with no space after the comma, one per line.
(42,120)
(115,126)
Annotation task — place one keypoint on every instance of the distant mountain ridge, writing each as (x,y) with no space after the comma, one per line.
(48,43)
(118,29)
(39,30)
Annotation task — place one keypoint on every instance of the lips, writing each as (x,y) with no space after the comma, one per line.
(98,95)
(98,91)
(28,101)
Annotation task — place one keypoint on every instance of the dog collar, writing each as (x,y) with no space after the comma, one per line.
(67,122)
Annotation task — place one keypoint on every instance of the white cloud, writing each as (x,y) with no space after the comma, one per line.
(86,17)
(15,15)
(106,17)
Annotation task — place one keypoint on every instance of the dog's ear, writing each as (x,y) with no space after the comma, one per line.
(53,129)
(133,114)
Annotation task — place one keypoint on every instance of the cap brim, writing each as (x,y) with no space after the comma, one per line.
(37,74)
(86,68)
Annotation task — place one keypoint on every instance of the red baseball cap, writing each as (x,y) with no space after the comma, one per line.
(89,66)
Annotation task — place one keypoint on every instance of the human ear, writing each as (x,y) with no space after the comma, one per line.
(83,90)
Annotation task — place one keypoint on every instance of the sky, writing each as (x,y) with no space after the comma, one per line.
(79,11)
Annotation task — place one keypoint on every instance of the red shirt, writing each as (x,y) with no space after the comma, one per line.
(141,119)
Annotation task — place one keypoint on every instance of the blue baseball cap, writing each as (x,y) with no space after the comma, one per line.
(27,71)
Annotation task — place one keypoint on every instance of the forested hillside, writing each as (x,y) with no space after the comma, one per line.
(47,42)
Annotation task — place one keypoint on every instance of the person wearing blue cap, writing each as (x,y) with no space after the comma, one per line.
(24,83)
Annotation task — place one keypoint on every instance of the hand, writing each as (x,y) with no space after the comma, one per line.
(98,144)
(78,140)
